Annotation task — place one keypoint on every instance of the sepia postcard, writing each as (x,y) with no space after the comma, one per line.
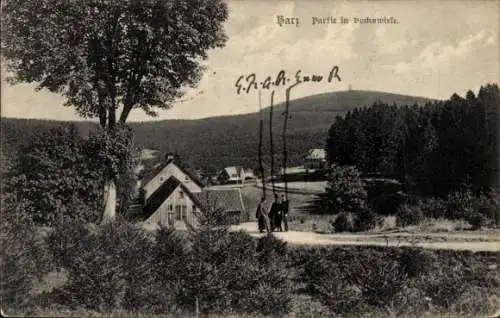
(234,158)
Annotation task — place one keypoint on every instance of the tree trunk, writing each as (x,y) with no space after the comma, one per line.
(109,199)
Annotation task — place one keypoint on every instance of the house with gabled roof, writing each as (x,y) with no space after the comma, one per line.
(173,196)
(231,175)
(315,159)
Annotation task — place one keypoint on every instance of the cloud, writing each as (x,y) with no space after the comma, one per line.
(398,46)
(436,54)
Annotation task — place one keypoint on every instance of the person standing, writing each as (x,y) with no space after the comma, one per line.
(262,217)
(284,211)
(275,213)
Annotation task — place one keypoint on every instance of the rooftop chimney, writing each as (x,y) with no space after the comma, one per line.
(169,157)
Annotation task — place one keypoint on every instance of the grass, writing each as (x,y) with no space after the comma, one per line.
(251,198)
(301,220)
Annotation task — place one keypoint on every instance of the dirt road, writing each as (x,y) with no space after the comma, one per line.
(454,241)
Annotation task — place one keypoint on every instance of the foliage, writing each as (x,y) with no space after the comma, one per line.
(23,256)
(433,207)
(103,54)
(52,176)
(460,204)
(241,146)
(114,155)
(353,281)
(226,270)
(108,267)
(108,55)
(345,190)
(60,175)
(365,221)
(344,222)
(476,210)
(433,149)
(409,215)
(384,195)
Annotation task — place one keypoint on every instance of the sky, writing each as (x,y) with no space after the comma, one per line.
(437,48)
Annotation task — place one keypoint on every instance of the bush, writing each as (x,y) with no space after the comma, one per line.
(355,281)
(460,205)
(232,272)
(108,267)
(415,262)
(476,219)
(23,256)
(343,223)
(409,215)
(52,175)
(476,210)
(345,190)
(365,221)
(433,207)
(455,277)
(350,279)
(488,205)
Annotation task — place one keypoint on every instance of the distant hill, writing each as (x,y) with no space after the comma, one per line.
(213,143)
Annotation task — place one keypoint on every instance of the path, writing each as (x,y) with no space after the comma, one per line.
(452,241)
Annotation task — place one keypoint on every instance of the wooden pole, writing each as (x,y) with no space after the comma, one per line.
(261,127)
(285,126)
(271,140)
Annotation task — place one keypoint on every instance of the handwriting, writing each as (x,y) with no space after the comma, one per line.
(246,83)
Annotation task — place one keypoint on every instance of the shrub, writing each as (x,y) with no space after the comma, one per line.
(343,223)
(232,272)
(53,176)
(409,215)
(476,219)
(269,247)
(460,204)
(433,207)
(386,204)
(476,210)
(365,281)
(349,279)
(457,276)
(108,267)
(488,205)
(345,190)
(23,256)
(415,262)
(365,221)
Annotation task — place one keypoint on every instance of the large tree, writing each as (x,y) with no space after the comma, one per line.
(108,56)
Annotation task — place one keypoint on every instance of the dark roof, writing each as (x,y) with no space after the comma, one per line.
(162,193)
(156,169)
(227,199)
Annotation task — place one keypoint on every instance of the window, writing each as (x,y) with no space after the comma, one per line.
(178,213)
(181,212)
(181,194)
(170,207)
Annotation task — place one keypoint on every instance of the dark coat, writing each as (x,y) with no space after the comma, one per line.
(275,208)
(285,206)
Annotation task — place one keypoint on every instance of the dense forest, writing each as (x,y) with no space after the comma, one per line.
(435,149)
(214,143)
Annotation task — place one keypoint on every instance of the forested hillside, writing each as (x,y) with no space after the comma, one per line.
(213,143)
(434,149)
